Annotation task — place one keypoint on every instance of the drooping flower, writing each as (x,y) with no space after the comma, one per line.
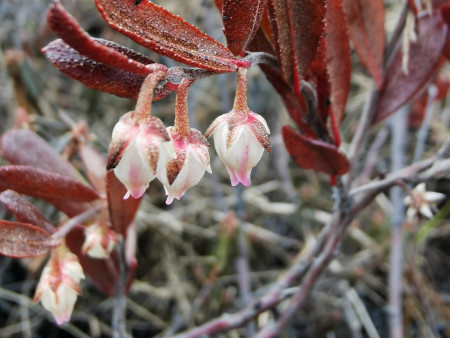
(240,136)
(59,287)
(99,239)
(191,149)
(136,142)
(420,201)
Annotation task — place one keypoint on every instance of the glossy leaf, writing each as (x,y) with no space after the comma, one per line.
(24,211)
(339,64)
(24,147)
(103,51)
(297,27)
(157,29)
(365,20)
(424,60)
(121,211)
(314,154)
(241,20)
(39,183)
(20,240)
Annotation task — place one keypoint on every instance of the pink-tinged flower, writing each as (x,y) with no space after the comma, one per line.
(421,201)
(187,169)
(59,287)
(180,172)
(134,152)
(240,136)
(136,142)
(99,241)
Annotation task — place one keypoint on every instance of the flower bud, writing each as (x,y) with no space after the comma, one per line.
(99,242)
(134,151)
(187,169)
(59,284)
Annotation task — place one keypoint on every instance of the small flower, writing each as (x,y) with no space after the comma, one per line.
(59,287)
(136,141)
(134,151)
(240,136)
(99,242)
(420,201)
(180,172)
(187,169)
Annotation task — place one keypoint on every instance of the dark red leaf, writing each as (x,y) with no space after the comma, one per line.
(24,211)
(106,52)
(365,20)
(24,147)
(314,154)
(445,11)
(318,75)
(424,60)
(39,183)
(91,73)
(121,212)
(339,64)
(96,75)
(20,240)
(241,20)
(297,27)
(157,29)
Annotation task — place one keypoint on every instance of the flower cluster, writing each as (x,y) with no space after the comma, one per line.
(143,149)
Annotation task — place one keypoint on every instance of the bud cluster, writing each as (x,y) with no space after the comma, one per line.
(142,148)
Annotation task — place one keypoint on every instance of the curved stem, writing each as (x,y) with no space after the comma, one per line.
(181,107)
(145,98)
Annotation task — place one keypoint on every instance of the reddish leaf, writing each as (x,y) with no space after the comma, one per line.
(106,52)
(24,147)
(95,166)
(318,75)
(20,240)
(241,20)
(157,29)
(297,27)
(445,11)
(24,211)
(339,64)
(96,75)
(366,28)
(424,59)
(91,73)
(43,184)
(314,154)
(261,43)
(121,212)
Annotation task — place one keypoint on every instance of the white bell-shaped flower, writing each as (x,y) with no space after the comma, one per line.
(59,287)
(187,169)
(240,136)
(136,141)
(183,166)
(134,152)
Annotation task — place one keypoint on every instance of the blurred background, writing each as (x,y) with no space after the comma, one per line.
(220,246)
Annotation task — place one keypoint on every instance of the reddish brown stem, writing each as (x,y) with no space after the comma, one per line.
(145,98)
(181,108)
(240,101)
